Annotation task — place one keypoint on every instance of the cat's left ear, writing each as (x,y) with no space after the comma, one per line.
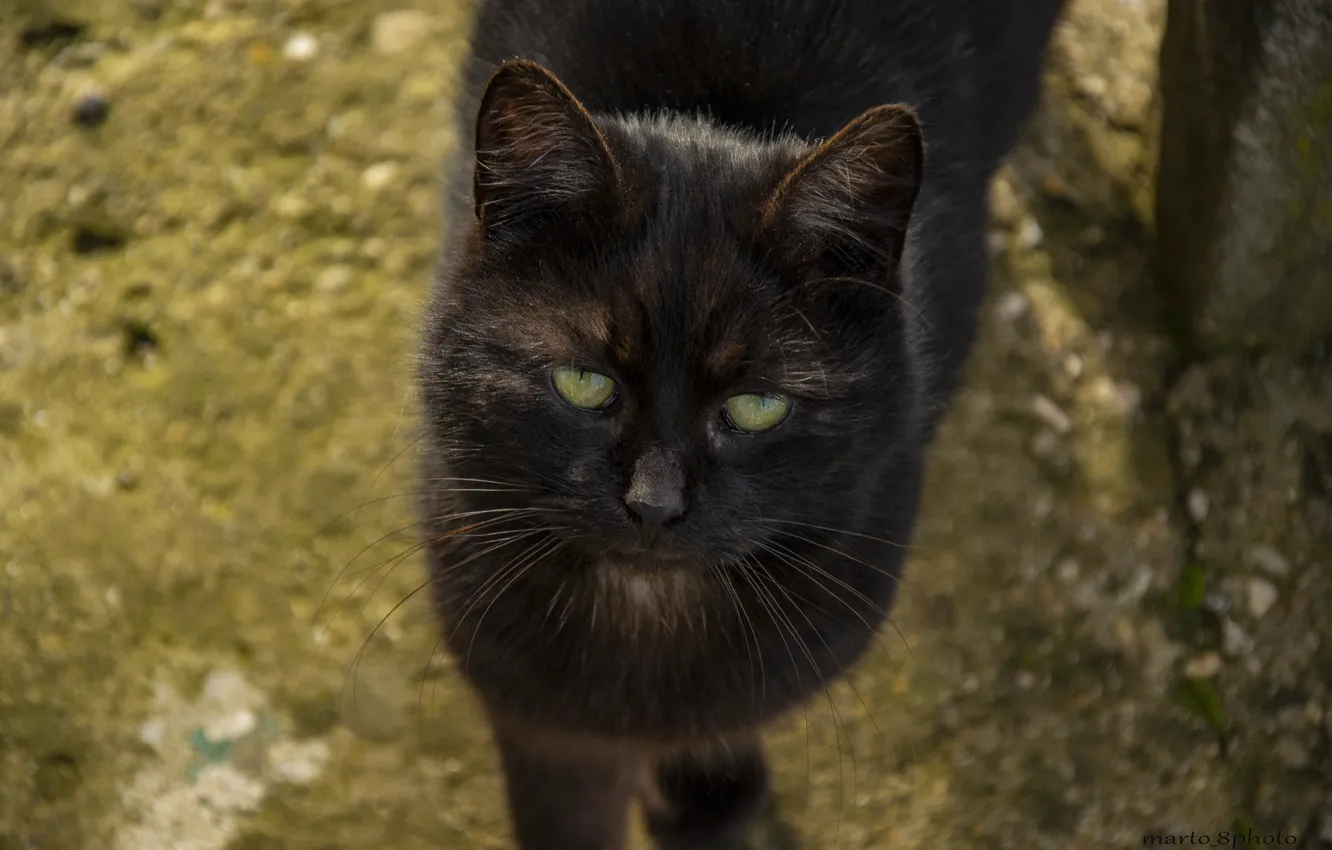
(539,156)
(849,201)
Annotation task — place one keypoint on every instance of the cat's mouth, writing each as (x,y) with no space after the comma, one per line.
(637,558)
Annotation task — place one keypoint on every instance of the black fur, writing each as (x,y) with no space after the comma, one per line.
(696,198)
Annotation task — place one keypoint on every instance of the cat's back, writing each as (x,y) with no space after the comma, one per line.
(969,66)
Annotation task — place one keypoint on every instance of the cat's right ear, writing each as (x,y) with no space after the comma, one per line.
(539,156)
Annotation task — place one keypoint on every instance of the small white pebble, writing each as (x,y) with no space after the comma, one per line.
(1262,596)
(334,279)
(1234,640)
(1025,679)
(223,788)
(1129,396)
(1086,595)
(1269,560)
(153,733)
(1073,365)
(1205,666)
(398,31)
(1197,504)
(226,689)
(1137,588)
(1045,444)
(374,248)
(298,762)
(1092,86)
(301,47)
(1103,390)
(1067,570)
(100,485)
(290,206)
(232,726)
(1051,414)
(1011,306)
(379,175)
(1031,235)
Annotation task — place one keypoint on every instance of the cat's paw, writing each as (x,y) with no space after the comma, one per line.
(708,807)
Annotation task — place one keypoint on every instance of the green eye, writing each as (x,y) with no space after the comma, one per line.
(587,390)
(754,412)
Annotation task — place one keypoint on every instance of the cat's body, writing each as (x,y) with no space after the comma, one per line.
(634,585)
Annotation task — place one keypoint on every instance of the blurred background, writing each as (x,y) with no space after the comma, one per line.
(217,225)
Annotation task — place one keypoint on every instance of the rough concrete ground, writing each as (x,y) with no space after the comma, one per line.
(1116,620)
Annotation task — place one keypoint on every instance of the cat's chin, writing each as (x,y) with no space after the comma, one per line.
(650,584)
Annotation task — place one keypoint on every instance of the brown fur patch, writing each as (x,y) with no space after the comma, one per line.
(538,333)
(727,357)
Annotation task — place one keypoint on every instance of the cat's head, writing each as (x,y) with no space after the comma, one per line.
(662,339)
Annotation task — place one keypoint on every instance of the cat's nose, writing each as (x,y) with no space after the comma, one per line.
(656,494)
(658,510)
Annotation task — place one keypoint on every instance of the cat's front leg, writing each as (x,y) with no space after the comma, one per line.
(561,798)
(707,802)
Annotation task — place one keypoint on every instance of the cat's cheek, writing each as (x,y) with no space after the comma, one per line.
(583,472)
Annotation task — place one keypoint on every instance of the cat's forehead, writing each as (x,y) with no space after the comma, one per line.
(694,309)
(688,283)
(697,303)
(696,297)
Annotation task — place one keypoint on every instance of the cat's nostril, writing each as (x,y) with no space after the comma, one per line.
(658,511)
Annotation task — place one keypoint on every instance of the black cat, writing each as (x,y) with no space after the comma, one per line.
(702,300)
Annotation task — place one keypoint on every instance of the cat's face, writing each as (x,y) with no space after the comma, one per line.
(669,392)
(666,347)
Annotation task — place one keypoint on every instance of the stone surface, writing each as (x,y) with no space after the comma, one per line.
(400,30)
(1244,201)
(205,523)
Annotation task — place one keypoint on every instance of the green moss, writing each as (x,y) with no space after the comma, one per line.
(1199,698)
(1243,824)
(1192,588)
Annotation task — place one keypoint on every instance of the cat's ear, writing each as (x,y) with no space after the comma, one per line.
(849,201)
(538,152)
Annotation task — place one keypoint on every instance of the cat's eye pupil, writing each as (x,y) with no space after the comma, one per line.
(752,413)
(583,389)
